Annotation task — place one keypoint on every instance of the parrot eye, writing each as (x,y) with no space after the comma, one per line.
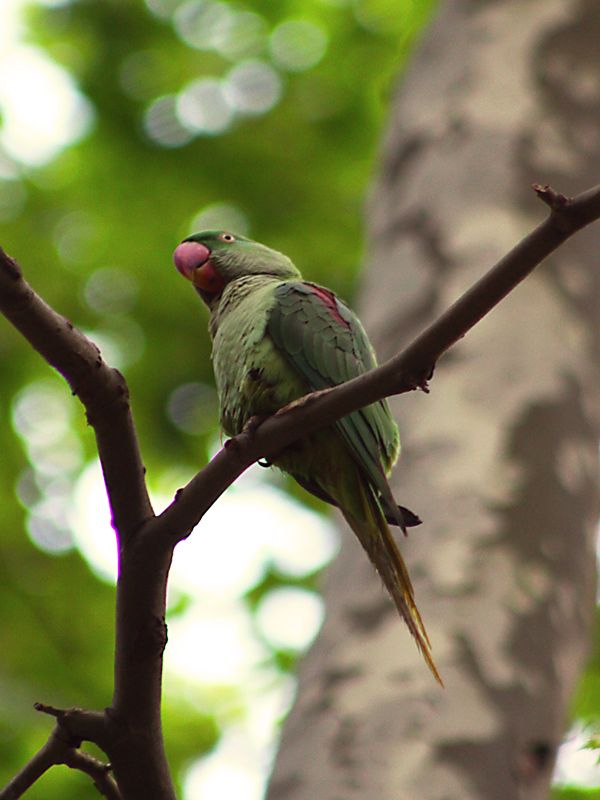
(227,237)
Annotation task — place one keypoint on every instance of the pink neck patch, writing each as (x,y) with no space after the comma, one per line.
(207,279)
(329,299)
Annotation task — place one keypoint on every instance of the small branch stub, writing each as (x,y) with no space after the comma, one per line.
(554,200)
(50,710)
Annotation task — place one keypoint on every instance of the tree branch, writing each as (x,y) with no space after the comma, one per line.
(143,565)
(98,772)
(408,370)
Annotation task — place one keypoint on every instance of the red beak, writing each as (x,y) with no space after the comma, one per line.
(188,256)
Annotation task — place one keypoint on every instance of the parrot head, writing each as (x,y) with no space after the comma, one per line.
(212,259)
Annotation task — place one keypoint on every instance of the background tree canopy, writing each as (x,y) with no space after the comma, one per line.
(163,118)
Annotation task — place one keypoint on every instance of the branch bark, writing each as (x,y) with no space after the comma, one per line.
(130,731)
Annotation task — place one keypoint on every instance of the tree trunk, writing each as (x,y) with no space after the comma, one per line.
(500,459)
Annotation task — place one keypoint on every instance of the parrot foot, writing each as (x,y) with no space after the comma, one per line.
(250,428)
(421,380)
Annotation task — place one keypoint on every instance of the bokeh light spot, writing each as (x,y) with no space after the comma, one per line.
(246,37)
(48,526)
(298,44)
(234,33)
(221,216)
(163,8)
(311,539)
(253,87)
(213,644)
(162,124)
(90,523)
(75,238)
(61,458)
(111,290)
(289,617)
(27,488)
(40,414)
(43,111)
(204,24)
(230,772)
(193,408)
(248,521)
(203,108)
(203,564)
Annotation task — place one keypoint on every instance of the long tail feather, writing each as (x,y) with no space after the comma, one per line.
(376,538)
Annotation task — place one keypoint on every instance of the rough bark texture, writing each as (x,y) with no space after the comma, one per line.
(500,459)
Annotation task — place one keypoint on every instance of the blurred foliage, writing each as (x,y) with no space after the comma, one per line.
(259,115)
(587,699)
(575,793)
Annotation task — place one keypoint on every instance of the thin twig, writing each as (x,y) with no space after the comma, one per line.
(99,773)
(78,723)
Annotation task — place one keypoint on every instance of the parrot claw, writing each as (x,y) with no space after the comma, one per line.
(421,379)
(251,426)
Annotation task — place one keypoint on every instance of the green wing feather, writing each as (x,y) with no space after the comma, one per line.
(326,352)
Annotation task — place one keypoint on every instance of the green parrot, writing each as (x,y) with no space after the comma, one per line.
(277,337)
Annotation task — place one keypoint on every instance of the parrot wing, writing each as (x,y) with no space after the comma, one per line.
(325,342)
